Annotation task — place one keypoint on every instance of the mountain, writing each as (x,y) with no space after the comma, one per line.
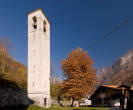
(121,72)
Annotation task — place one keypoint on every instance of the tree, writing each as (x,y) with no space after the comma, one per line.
(55,83)
(56,91)
(53,73)
(79,73)
(10,69)
(4,55)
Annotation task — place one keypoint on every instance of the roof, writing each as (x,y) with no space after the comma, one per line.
(131,88)
(117,87)
(112,86)
(41,11)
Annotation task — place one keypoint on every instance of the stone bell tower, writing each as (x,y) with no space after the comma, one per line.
(39,58)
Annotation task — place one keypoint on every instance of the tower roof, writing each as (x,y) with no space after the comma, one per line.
(41,11)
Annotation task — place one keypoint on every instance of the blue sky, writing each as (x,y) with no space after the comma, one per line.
(74,23)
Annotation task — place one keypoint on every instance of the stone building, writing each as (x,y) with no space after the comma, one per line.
(39,58)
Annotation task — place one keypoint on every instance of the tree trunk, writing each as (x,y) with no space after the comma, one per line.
(3,66)
(72,102)
(58,98)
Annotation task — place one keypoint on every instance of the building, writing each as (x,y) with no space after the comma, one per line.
(113,96)
(39,58)
(84,102)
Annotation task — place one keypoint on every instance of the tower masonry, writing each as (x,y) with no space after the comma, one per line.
(39,58)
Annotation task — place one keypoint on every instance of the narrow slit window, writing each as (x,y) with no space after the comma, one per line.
(33,84)
(34,22)
(34,69)
(44,26)
(34,52)
(45,102)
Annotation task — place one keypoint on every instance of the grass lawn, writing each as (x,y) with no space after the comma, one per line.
(33,107)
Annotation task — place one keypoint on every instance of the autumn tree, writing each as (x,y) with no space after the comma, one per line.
(79,73)
(4,54)
(10,69)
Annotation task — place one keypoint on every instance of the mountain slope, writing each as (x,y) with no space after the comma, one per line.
(121,72)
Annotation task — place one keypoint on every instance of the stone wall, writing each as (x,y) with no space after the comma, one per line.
(11,95)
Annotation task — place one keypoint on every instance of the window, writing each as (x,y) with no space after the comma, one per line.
(34,68)
(34,22)
(44,26)
(34,52)
(45,101)
(45,84)
(33,84)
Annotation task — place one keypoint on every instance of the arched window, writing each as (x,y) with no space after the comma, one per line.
(44,26)
(34,22)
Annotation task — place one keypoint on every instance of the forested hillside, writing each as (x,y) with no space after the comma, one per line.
(10,69)
(121,72)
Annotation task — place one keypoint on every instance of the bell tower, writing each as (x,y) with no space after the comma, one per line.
(39,58)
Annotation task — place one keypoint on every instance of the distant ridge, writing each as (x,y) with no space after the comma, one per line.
(121,72)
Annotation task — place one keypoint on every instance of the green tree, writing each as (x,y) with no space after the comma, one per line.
(56,91)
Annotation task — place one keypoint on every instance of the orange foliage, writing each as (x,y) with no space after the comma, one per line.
(11,69)
(79,74)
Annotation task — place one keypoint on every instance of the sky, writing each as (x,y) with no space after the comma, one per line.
(74,23)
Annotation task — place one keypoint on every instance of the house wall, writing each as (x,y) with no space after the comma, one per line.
(107,97)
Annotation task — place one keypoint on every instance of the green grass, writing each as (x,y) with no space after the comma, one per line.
(34,107)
